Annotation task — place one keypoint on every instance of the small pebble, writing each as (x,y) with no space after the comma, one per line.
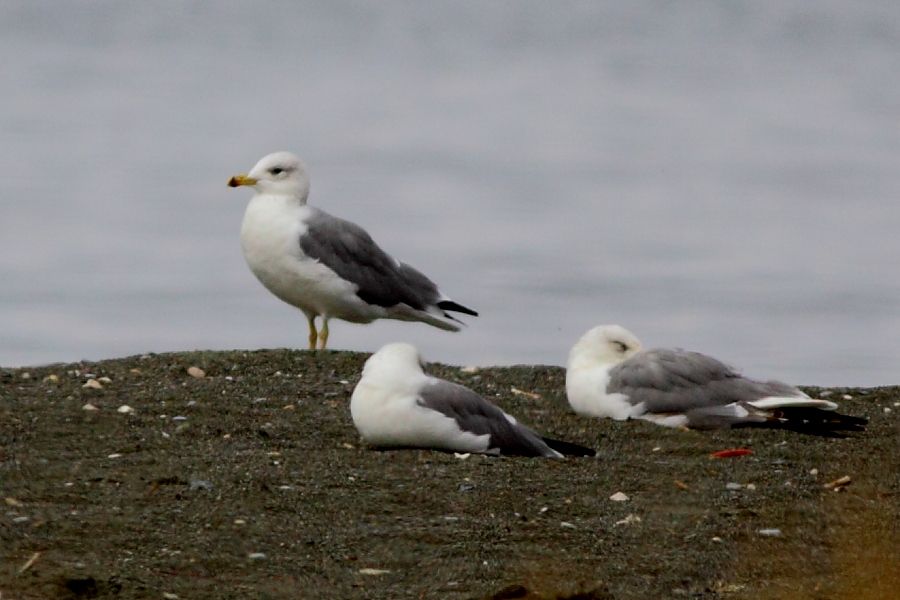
(847,397)
(544,509)
(468,370)
(179,418)
(897,404)
(619,497)
(750,486)
(256,556)
(201,484)
(813,472)
(717,539)
(887,409)
(10,501)
(825,394)
(461,456)
(21,519)
(769,532)
(52,378)
(89,406)
(373,572)
(93,384)
(114,455)
(170,596)
(465,487)
(125,409)
(657,448)
(347,446)
(733,486)
(628,520)
(104,380)
(196,372)
(240,522)
(567,525)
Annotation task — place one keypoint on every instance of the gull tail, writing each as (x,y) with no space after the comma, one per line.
(568,448)
(455,307)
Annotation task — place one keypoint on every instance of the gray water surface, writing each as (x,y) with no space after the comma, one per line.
(717,176)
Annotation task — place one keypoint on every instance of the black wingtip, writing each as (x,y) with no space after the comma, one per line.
(568,448)
(813,421)
(453,306)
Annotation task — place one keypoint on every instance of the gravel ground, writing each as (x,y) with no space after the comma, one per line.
(250,482)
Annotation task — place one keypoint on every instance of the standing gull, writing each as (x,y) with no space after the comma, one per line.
(326,266)
(395,404)
(609,375)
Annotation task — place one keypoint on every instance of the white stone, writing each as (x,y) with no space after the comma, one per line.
(196,372)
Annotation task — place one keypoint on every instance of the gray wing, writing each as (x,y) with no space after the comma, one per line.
(476,415)
(678,381)
(349,251)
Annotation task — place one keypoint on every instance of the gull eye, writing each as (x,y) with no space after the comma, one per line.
(620,346)
(276,170)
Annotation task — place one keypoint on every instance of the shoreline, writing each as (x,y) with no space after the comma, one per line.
(250,481)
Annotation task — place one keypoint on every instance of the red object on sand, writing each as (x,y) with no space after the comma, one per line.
(731,452)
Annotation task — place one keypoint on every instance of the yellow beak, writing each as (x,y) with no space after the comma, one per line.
(239,180)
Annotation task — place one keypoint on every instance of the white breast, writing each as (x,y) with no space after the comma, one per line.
(270,239)
(384,416)
(586,391)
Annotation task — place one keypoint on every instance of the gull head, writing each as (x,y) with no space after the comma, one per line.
(604,345)
(397,360)
(277,174)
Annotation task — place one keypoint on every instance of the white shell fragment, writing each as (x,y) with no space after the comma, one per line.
(630,519)
(619,497)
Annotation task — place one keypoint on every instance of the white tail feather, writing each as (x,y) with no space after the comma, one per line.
(789,402)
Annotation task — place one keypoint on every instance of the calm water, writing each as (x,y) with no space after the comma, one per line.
(719,176)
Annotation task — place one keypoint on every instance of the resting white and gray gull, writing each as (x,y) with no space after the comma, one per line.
(396,404)
(610,375)
(326,266)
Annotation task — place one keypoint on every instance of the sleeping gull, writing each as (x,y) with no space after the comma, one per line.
(395,404)
(326,266)
(609,375)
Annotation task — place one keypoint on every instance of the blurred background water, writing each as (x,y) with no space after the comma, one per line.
(717,176)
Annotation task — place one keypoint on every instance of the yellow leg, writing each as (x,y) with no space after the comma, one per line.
(323,334)
(311,319)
